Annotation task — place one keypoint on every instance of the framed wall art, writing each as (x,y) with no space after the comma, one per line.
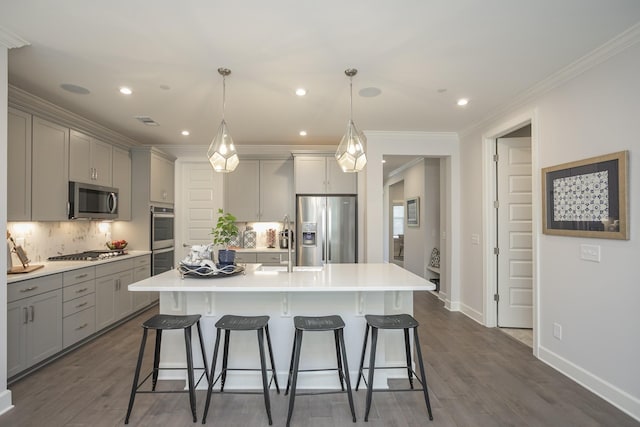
(413,212)
(587,198)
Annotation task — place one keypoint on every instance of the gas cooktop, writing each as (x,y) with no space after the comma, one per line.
(95,255)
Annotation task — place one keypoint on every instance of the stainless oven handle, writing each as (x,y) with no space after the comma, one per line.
(163,215)
(113,199)
(162,251)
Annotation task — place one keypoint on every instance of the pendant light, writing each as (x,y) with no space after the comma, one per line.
(350,154)
(222,152)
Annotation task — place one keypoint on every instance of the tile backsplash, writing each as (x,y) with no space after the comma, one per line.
(44,239)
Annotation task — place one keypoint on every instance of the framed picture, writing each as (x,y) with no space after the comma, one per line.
(413,212)
(587,198)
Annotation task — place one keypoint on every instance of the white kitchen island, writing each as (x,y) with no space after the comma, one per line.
(348,290)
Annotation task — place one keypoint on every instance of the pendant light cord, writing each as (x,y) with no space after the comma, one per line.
(351,97)
(224,94)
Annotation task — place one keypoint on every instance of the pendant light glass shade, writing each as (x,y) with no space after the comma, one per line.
(222,152)
(350,154)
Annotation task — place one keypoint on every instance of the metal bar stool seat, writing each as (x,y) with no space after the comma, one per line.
(161,322)
(230,323)
(316,324)
(394,321)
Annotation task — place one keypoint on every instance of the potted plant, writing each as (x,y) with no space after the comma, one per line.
(224,231)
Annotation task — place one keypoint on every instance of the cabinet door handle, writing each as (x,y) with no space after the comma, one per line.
(33,288)
(26,315)
(33,312)
(82,305)
(81,276)
(82,326)
(79,291)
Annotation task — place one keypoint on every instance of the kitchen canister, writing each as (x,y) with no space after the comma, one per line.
(249,239)
(236,241)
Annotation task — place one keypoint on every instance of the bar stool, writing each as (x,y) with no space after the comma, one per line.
(395,321)
(230,323)
(161,322)
(316,324)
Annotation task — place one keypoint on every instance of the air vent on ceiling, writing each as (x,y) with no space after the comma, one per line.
(147,120)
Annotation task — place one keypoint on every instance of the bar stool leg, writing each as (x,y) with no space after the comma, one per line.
(204,355)
(364,348)
(192,392)
(340,371)
(225,358)
(212,376)
(293,353)
(156,359)
(407,348)
(136,376)
(340,335)
(263,369)
(294,376)
(372,364)
(422,374)
(273,365)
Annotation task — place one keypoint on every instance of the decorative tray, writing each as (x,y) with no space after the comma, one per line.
(207,272)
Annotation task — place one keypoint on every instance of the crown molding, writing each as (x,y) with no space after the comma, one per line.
(404,167)
(11,40)
(29,103)
(249,151)
(597,56)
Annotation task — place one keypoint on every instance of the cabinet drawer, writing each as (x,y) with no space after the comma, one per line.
(77,276)
(245,258)
(113,267)
(272,258)
(78,304)
(75,291)
(78,326)
(31,287)
(141,260)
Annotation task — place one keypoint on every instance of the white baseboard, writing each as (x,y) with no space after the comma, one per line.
(612,394)
(5,401)
(472,313)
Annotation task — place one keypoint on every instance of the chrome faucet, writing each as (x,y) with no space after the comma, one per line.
(287,223)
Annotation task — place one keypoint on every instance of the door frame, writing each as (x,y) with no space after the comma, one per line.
(490,272)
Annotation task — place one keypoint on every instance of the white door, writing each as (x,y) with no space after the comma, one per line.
(515,265)
(202,196)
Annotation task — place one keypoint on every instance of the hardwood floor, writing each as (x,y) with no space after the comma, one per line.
(477,377)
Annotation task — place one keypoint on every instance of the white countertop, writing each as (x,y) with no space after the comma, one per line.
(333,278)
(53,267)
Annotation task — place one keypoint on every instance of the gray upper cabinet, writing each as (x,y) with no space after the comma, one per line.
(121,177)
(50,171)
(19,166)
(89,160)
(161,185)
(322,175)
(260,190)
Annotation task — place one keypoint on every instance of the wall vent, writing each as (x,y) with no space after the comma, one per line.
(147,120)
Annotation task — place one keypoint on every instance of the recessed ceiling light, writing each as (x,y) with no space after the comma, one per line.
(301,91)
(384,161)
(303,133)
(185,133)
(125,90)
(462,102)
(75,89)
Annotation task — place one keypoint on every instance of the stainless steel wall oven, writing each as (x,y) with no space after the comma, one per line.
(162,239)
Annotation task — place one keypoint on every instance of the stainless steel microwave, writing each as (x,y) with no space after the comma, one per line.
(87,201)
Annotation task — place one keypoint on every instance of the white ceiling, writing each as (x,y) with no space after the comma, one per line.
(421,54)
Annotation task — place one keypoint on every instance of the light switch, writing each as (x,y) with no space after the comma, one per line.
(590,253)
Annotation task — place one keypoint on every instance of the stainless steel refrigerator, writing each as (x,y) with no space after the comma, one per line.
(326,230)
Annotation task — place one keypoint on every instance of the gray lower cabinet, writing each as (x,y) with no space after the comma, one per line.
(264,258)
(113,299)
(79,305)
(34,322)
(141,272)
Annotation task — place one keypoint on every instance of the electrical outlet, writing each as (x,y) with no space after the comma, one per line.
(475,239)
(557,331)
(590,253)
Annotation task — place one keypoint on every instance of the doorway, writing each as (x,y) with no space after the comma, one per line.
(396,223)
(514,238)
